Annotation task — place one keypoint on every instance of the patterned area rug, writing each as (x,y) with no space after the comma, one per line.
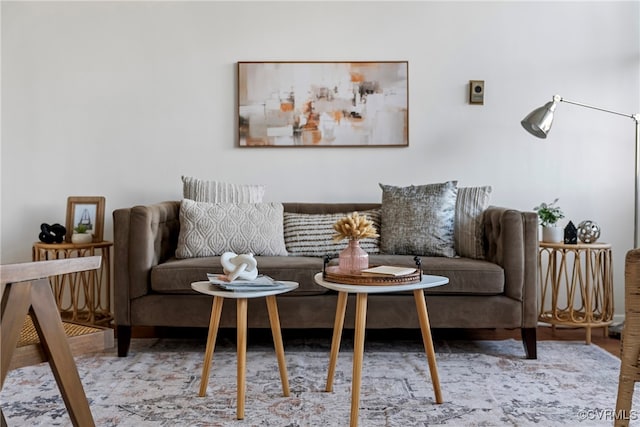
(484,383)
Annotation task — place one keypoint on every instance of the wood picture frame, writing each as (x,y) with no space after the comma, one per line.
(323,104)
(88,211)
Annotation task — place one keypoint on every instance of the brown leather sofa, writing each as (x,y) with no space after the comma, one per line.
(153,288)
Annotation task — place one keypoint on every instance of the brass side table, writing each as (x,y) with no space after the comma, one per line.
(576,285)
(83,297)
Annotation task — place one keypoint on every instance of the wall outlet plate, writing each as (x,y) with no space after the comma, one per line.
(476,92)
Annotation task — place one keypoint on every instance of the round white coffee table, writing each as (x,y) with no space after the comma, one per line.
(361,292)
(241,309)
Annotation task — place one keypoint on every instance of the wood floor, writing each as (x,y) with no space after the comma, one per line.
(612,345)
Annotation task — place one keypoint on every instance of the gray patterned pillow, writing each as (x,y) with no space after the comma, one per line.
(470,205)
(202,190)
(210,229)
(311,234)
(419,219)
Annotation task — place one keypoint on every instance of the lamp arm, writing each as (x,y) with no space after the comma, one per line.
(635,117)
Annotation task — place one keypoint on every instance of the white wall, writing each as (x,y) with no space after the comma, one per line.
(122,98)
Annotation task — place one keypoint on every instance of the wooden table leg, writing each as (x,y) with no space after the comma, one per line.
(335,341)
(214,324)
(241,313)
(358,353)
(423,315)
(274,320)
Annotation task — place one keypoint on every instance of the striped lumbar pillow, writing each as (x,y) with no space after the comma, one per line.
(468,233)
(201,190)
(312,234)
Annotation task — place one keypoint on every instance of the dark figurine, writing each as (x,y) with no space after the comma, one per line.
(570,234)
(52,233)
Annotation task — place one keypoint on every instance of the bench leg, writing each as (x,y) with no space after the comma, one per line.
(53,339)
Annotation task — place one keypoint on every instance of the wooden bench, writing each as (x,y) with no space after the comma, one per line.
(25,289)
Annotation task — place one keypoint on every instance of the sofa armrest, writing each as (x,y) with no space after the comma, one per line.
(511,239)
(144,236)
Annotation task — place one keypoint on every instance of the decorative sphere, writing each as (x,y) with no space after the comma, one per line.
(588,231)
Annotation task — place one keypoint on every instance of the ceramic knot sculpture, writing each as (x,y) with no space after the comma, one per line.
(243,266)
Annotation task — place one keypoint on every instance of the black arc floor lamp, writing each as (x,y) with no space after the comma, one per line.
(539,122)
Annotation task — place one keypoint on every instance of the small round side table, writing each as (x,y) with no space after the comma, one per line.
(83,297)
(241,298)
(576,285)
(361,292)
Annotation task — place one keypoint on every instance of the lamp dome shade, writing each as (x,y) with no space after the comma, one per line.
(539,121)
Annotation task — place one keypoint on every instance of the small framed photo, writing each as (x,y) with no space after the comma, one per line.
(87,212)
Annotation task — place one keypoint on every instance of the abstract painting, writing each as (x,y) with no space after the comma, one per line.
(323,104)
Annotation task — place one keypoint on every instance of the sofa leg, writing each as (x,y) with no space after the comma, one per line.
(124,339)
(530,342)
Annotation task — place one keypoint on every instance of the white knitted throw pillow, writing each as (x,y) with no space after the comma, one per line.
(210,229)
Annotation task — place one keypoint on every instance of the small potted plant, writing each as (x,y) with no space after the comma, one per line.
(81,234)
(549,214)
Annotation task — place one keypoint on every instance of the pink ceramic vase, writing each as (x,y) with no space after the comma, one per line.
(353,258)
